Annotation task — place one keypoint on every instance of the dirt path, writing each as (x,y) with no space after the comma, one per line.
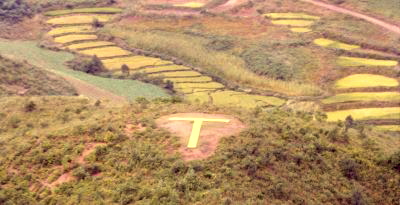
(370,19)
(228,5)
(92,91)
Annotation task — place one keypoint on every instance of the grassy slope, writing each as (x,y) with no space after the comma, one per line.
(282,158)
(23,79)
(28,50)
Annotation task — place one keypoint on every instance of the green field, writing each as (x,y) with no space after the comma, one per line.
(365,114)
(54,61)
(104,10)
(352,61)
(363,96)
(365,81)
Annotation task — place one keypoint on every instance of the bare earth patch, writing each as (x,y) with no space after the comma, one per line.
(211,132)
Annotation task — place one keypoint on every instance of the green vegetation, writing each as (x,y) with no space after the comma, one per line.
(352,61)
(14,10)
(290,16)
(104,10)
(23,79)
(363,96)
(393,128)
(194,50)
(365,81)
(280,156)
(54,61)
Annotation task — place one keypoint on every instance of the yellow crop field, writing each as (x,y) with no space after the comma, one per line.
(90,45)
(393,128)
(70,29)
(209,85)
(290,16)
(165,68)
(74,37)
(363,96)
(293,22)
(106,52)
(190,79)
(195,90)
(365,114)
(334,44)
(177,74)
(103,10)
(365,80)
(190,5)
(134,62)
(300,30)
(79,19)
(352,61)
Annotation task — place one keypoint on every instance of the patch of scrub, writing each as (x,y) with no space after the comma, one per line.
(392,128)
(363,96)
(353,61)
(365,81)
(365,114)
(290,16)
(334,44)
(54,61)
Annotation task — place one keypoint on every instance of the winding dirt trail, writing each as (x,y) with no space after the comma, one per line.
(370,19)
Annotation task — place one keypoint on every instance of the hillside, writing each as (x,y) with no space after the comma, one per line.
(26,80)
(277,159)
(198,102)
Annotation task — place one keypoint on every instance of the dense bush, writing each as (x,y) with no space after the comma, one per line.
(88,65)
(14,10)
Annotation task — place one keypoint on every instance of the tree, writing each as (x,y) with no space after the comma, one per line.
(125,69)
(349,122)
(169,85)
(30,106)
(95,65)
(96,23)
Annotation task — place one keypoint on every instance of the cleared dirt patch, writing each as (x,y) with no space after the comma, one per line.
(210,134)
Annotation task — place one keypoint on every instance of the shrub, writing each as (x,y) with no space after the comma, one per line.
(80,173)
(30,106)
(96,23)
(350,168)
(14,10)
(88,65)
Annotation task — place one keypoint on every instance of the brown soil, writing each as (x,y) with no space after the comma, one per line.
(27,29)
(370,19)
(210,135)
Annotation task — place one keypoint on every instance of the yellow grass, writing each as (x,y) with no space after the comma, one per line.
(104,10)
(198,91)
(106,52)
(79,19)
(193,86)
(190,79)
(363,96)
(334,44)
(89,45)
(293,22)
(74,37)
(365,113)
(393,128)
(177,74)
(300,30)
(70,29)
(190,5)
(365,80)
(133,62)
(290,16)
(352,61)
(165,68)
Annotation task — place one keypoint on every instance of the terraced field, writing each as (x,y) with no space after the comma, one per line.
(190,5)
(80,38)
(365,81)
(352,61)
(297,22)
(334,44)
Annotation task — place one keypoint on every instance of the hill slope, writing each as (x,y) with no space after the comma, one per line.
(23,79)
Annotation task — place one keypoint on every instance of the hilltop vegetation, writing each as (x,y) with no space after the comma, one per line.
(23,79)
(276,160)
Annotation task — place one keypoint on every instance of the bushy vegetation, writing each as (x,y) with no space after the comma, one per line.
(14,10)
(278,158)
(18,78)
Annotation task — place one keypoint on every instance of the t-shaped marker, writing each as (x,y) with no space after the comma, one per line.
(197,122)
